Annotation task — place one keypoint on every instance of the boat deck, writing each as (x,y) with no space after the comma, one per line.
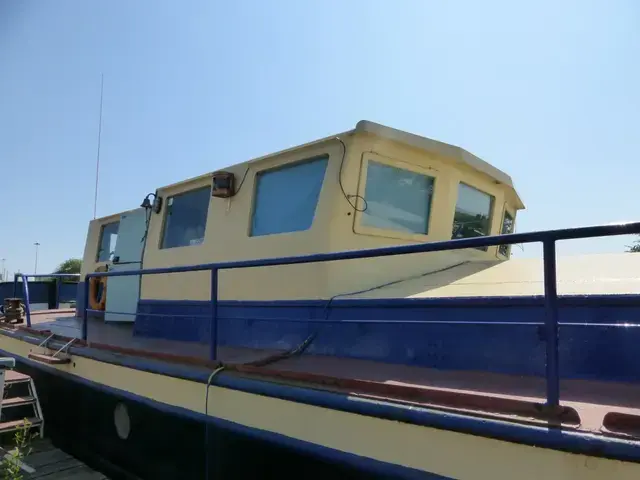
(595,406)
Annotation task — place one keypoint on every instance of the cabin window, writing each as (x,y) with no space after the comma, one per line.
(473,213)
(507,227)
(186,218)
(397,199)
(286,198)
(108,239)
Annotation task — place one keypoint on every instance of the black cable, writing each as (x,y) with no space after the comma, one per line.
(348,197)
(147,222)
(300,349)
(244,177)
(206,420)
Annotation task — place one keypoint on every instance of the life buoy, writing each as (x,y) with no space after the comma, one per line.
(97,302)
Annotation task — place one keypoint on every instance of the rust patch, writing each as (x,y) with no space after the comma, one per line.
(168,357)
(468,401)
(483,403)
(624,423)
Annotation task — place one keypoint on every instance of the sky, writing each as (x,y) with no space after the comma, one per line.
(547,91)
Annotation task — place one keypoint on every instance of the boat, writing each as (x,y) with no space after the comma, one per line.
(349,307)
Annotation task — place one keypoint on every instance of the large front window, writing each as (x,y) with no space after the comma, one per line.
(473,213)
(186,218)
(108,239)
(397,199)
(286,197)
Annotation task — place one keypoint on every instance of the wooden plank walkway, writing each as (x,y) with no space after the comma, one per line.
(51,463)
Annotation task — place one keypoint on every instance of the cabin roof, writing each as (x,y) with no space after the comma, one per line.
(114,217)
(446,150)
(453,152)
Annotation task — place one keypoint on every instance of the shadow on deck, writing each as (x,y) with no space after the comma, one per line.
(517,397)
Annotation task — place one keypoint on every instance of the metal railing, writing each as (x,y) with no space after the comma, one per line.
(25,288)
(547,238)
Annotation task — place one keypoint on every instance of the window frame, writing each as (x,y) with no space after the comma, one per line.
(492,208)
(359,227)
(100,236)
(283,166)
(506,210)
(165,215)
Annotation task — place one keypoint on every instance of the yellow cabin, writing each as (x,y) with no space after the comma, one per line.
(369,187)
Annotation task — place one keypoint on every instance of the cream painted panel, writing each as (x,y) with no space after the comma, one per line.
(427,449)
(89,256)
(294,282)
(356,275)
(227,239)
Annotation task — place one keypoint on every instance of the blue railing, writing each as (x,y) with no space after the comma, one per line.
(547,238)
(25,287)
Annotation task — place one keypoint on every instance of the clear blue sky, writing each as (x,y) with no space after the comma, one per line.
(548,92)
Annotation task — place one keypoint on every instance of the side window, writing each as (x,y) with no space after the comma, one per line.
(397,199)
(286,198)
(507,227)
(473,213)
(186,218)
(107,244)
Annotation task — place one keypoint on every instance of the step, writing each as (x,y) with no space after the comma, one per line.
(11,377)
(18,401)
(49,359)
(17,424)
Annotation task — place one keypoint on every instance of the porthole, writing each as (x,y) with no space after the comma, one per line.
(121,421)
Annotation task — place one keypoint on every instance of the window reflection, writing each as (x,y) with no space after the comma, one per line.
(186,218)
(287,197)
(507,227)
(397,199)
(108,240)
(473,213)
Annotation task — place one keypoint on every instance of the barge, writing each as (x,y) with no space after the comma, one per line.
(352,300)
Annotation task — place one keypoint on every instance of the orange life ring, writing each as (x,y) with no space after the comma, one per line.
(95,302)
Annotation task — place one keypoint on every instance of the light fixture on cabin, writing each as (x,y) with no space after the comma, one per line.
(224,185)
(156,206)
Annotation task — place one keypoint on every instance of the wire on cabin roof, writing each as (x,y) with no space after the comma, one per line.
(354,205)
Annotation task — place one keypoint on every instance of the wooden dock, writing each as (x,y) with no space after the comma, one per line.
(47,462)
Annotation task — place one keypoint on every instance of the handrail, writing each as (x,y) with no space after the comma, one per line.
(25,287)
(458,244)
(548,239)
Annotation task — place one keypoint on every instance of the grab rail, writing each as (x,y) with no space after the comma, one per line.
(547,238)
(25,287)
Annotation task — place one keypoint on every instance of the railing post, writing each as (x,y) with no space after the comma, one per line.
(85,302)
(27,307)
(551,323)
(213,323)
(56,305)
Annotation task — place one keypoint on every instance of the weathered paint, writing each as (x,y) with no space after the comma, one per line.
(483,334)
(412,446)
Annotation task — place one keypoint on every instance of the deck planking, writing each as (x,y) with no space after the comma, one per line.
(51,463)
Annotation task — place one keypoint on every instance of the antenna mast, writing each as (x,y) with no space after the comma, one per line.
(95,196)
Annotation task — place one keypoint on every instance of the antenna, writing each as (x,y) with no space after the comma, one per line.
(95,196)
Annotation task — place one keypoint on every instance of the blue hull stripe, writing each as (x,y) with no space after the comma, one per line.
(362,463)
(500,334)
(566,440)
